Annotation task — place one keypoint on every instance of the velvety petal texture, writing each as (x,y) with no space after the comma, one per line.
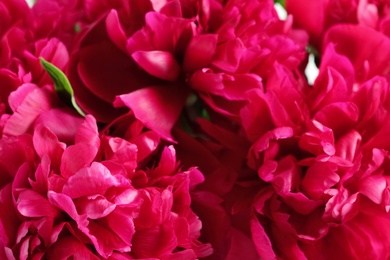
(186,129)
(86,195)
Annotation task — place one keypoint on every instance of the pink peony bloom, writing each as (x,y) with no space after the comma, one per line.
(324,174)
(93,197)
(283,169)
(150,50)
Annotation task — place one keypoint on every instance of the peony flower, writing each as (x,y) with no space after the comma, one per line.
(92,196)
(149,51)
(323,174)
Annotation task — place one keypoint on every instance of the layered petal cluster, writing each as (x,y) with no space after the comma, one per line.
(318,164)
(23,40)
(317,17)
(67,191)
(197,133)
(153,54)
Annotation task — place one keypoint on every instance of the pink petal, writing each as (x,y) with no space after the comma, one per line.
(348,146)
(55,52)
(122,225)
(318,140)
(167,164)
(21,180)
(9,223)
(115,31)
(329,88)
(196,177)
(338,116)
(228,55)
(62,122)
(31,204)
(261,240)
(160,64)
(171,8)
(339,62)
(94,208)
(318,178)
(300,203)
(88,132)
(206,80)
(267,108)
(146,143)
(155,208)
(166,33)
(367,14)
(200,52)
(121,151)
(369,100)
(14,152)
(65,203)
(6,253)
(126,197)
(76,157)
(41,176)
(154,242)
(372,187)
(278,133)
(36,102)
(93,180)
(308,15)
(105,240)
(286,88)
(69,247)
(360,45)
(156,107)
(237,85)
(10,82)
(17,97)
(46,143)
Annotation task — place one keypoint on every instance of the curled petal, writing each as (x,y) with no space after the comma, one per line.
(156,107)
(93,180)
(115,31)
(160,64)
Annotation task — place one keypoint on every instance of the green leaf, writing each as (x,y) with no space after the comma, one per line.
(61,85)
(281,2)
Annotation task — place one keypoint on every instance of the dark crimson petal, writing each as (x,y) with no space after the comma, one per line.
(156,107)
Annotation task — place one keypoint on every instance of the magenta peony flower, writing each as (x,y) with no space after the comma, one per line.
(197,133)
(321,155)
(66,187)
(152,54)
